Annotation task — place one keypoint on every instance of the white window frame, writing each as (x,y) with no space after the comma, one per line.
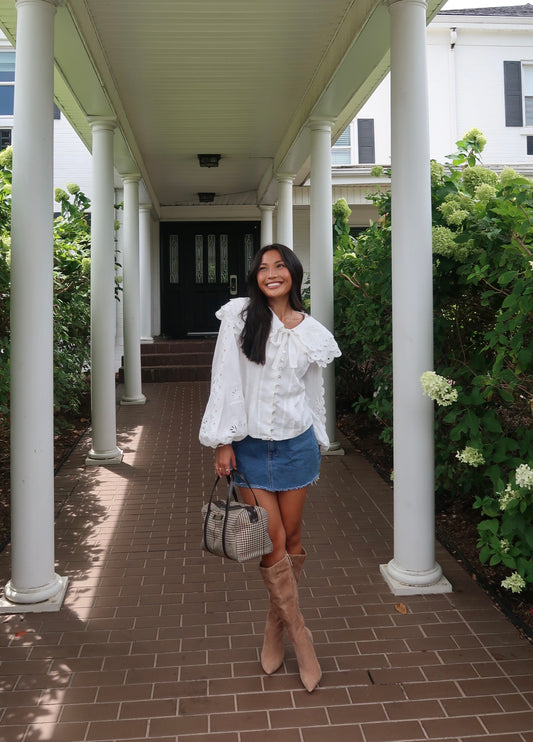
(527,93)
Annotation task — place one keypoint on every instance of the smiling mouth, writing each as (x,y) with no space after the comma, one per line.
(274,284)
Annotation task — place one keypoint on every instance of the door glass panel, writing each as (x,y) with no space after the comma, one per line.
(199,258)
(211,259)
(224,274)
(174,258)
(248,252)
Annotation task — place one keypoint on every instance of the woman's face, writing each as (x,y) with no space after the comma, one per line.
(273,277)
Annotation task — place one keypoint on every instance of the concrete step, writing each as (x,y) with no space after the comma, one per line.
(178,346)
(175,360)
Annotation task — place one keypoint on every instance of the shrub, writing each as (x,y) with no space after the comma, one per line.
(71,296)
(483,334)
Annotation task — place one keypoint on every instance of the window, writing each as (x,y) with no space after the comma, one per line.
(341,153)
(518,87)
(527,82)
(529,145)
(5,138)
(365,140)
(7,82)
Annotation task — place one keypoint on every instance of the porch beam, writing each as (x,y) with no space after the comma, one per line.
(413,569)
(104,450)
(321,254)
(133,394)
(34,585)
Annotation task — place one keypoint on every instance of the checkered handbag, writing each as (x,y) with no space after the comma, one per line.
(233,529)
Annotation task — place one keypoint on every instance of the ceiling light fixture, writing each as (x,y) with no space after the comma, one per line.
(206,198)
(208,160)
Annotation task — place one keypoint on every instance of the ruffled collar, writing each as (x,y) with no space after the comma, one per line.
(316,342)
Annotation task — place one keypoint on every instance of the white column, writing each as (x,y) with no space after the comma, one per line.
(413,569)
(284,225)
(131,295)
(321,254)
(33,579)
(119,274)
(103,394)
(145,247)
(267,232)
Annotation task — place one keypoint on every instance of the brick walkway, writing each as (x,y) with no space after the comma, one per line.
(157,641)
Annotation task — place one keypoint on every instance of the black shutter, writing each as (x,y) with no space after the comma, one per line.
(512,77)
(365,139)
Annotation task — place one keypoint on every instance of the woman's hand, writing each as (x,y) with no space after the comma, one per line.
(224,460)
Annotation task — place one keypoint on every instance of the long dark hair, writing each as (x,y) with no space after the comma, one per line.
(257,315)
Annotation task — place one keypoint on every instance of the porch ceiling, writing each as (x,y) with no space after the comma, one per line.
(236,77)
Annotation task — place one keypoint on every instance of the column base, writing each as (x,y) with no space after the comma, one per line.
(147,339)
(104,458)
(335,449)
(414,583)
(47,599)
(141,399)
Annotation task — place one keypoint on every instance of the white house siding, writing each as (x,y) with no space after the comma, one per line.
(481,53)
(72,159)
(466,89)
(377,107)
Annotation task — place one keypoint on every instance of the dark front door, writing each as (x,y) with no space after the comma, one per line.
(203,265)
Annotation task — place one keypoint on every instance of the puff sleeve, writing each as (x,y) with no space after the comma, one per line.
(314,393)
(321,349)
(224,418)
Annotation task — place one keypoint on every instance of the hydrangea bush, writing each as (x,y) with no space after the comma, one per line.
(71,295)
(483,336)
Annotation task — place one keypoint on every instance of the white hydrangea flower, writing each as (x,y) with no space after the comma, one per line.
(515,583)
(508,496)
(470,455)
(524,476)
(437,388)
(505,545)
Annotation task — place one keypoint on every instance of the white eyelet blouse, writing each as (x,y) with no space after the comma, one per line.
(275,401)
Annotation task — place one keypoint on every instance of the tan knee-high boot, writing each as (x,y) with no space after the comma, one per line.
(273,649)
(281,585)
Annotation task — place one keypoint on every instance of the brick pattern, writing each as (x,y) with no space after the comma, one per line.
(159,641)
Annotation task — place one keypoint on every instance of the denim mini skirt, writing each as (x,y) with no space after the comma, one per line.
(277,466)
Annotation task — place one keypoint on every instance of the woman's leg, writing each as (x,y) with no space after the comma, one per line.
(291,506)
(276,529)
(285,512)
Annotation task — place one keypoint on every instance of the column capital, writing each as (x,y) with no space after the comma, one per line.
(102,123)
(285,177)
(321,123)
(390,3)
(54,3)
(145,207)
(130,177)
(266,207)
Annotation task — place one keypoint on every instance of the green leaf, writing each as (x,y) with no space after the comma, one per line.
(492,525)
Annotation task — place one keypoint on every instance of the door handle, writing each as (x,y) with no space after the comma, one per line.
(233,285)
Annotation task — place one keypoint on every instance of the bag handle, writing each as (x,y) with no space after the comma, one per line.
(231,491)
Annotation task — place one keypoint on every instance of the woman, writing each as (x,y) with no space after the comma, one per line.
(266,418)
